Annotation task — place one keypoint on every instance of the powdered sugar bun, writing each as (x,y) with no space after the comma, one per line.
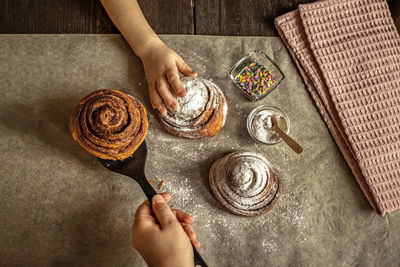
(245,183)
(201,112)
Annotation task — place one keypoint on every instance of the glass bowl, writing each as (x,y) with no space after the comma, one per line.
(257,90)
(258,120)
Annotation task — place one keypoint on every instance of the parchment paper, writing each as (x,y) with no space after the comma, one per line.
(60,207)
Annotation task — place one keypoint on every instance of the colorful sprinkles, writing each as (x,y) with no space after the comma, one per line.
(255,80)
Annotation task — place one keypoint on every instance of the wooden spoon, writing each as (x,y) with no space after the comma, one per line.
(288,140)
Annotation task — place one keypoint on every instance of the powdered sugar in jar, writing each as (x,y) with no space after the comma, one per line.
(259,124)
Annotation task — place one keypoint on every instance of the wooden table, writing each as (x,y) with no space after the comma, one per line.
(207,17)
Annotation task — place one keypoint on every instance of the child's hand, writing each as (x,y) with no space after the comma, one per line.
(162,66)
(166,243)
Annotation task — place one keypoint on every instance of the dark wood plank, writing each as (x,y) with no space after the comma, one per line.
(49,16)
(213,17)
(88,16)
(251,18)
(394,6)
(172,17)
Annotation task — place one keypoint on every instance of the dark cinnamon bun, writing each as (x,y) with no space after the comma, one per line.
(109,124)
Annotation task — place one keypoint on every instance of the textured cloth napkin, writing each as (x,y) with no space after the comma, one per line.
(348,52)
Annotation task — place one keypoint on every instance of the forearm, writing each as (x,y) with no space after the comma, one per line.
(161,64)
(129,19)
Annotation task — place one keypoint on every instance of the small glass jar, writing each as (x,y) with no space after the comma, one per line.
(259,123)
(256,75)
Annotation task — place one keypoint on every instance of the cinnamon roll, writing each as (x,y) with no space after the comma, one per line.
(109,124)
(245,183)
(201,112)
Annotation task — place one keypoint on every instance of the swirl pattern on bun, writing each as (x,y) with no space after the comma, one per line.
(201,113)
(109,124)
(245,183)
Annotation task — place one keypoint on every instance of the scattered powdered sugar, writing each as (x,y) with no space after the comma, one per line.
(214,225)
(267,245)
(195,61)
(289,213)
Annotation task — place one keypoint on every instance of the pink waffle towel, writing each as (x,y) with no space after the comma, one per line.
(348,52)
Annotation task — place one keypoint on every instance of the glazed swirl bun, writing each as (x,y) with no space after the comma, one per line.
(201,112)
(244,183)
(109,124)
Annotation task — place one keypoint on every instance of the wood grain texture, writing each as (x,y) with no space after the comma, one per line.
(394,6)
(210,17)
(253,18)
(49,16)
(89,16)
(172,17)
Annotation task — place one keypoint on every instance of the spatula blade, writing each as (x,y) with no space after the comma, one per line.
(133,166)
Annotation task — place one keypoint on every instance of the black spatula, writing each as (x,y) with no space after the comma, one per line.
(134,167)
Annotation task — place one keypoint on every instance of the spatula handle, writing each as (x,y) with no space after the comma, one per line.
(147,188)
(198,260)
(150,193)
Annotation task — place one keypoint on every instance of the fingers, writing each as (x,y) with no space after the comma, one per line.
(183,217)
(163,212)
(143,215)
(191,234)
(165,93)
(186,220)
(156,101)
(143,209)
(160,94)
(166,196)
(175,81)
(184,68)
